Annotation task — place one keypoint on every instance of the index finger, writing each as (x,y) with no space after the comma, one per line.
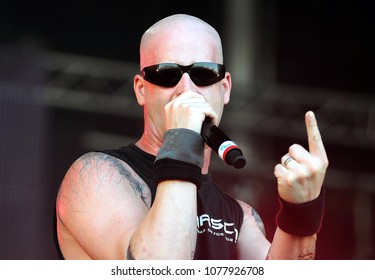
(315,141)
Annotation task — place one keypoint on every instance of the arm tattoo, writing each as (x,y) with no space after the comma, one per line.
(95,161)
(307,256)
(258,220)
(137,186)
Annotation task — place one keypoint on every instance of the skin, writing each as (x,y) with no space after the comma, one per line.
(104,208)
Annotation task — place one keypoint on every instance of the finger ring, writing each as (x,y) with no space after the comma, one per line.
(289,159)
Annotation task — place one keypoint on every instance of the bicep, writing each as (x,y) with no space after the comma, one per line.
(101,202)
(252,242)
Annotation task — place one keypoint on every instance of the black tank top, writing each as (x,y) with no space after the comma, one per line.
(219,217)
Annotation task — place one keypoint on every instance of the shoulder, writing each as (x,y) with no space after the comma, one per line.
(98,163)
(99,175)
(101,201)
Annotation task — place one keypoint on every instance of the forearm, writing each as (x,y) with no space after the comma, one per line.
(169,230)
(291,247)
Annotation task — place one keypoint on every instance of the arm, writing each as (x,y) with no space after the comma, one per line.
(252,242)
(169,230)
(287,246)
(103,207)
(178,164)
(253,245)
(300,181)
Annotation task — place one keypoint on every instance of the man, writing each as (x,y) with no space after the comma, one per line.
(156,199)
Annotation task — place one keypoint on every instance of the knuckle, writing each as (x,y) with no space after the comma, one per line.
(299,176)
(283,158)
(278,170)
(291,178)
(294,148)
(303,174)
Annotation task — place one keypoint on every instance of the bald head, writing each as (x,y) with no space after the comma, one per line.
(177,34)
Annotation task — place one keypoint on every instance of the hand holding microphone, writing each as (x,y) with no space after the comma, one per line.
(193,104)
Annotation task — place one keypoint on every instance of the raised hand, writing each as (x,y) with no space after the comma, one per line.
(301,173)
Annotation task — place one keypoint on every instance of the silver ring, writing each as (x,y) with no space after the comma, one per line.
(289,159)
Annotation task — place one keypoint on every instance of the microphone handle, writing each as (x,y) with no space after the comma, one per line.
(227,150)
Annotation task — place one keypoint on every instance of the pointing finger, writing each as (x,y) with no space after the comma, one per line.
(315,141)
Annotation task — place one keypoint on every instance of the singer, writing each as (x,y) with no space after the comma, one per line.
(155,199)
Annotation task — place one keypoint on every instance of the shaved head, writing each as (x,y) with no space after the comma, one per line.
(175,31)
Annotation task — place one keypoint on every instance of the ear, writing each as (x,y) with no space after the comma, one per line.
(139,89)
(227,85)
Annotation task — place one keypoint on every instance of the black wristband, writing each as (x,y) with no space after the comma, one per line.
(180,157)
(184,145)
(171,169)
(301,219)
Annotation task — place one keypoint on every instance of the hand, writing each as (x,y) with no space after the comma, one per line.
(188,110)
(301,173)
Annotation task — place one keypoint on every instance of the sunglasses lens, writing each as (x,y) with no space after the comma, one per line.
(205,74)
(164,75)
(169,74)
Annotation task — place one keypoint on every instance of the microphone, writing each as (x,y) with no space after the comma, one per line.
(227,150)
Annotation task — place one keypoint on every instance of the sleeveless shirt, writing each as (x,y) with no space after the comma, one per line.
(219,216)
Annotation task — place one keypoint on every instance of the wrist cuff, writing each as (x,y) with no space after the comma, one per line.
(170,169)
(183,145)
(180,157)
(301,219)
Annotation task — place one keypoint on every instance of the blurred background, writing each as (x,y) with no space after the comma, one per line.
(66,70)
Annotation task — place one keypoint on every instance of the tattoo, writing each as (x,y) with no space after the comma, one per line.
(307,256)
(95,161)
(137,186)
(258,220)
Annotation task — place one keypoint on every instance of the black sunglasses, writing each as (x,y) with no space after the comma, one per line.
(169,74)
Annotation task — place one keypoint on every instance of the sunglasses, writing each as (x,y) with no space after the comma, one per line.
(169,74)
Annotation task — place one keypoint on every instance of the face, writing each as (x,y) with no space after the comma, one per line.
(183,45)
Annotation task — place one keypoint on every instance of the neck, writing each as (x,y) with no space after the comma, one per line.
(149,144)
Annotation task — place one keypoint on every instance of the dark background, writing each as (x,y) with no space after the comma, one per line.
(322,47)
(319,43)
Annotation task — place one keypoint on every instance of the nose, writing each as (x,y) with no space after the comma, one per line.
(185,83)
